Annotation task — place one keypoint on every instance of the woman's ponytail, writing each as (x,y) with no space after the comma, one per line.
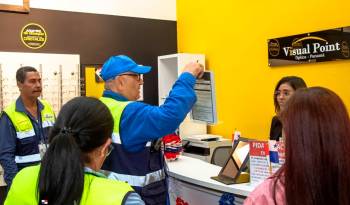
(61,179)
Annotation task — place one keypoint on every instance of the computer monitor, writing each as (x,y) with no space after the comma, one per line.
(204,110)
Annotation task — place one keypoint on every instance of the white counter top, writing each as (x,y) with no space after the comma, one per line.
(198,172)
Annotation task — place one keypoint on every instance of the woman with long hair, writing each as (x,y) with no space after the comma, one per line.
(284,89)
(69,172)
(316,125)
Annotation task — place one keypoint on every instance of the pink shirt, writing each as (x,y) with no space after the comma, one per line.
(263,194)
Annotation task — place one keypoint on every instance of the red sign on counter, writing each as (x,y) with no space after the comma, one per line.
(259,161)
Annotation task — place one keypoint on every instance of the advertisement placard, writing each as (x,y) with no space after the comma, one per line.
(327,45)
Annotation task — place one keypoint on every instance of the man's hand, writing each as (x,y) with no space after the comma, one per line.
(195,69)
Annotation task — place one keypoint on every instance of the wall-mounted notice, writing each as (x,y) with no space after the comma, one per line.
(327,45)
(204,109)
(259,161)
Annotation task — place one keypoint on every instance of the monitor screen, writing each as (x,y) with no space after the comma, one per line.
(204,110)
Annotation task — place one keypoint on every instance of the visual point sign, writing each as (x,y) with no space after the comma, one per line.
(328,45)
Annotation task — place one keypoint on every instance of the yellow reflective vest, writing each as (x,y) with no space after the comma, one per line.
(97,190)
(28,151)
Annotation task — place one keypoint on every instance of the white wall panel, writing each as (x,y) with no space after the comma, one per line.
(59,73)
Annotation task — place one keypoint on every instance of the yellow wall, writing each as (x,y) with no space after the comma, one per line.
(233,36)
(93,88)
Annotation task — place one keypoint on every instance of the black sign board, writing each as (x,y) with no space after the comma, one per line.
(327,45)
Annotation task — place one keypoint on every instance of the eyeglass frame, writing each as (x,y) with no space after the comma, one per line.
(139,76)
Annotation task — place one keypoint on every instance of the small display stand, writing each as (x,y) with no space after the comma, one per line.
(234,170)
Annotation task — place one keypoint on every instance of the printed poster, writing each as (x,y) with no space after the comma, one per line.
(259,161)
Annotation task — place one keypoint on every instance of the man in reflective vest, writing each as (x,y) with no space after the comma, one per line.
(137,157)
(24,125)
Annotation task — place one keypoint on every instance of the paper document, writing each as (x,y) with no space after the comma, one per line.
(205,108)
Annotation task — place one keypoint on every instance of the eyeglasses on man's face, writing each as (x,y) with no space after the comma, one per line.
(137,76)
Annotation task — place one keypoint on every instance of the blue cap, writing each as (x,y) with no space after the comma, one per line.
(117,65)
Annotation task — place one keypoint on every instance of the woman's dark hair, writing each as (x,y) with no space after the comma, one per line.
(83,124)
(317,133)
(294,81)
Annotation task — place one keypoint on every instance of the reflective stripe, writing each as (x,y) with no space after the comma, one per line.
(28,158)
(47,124)
(25,134)
(116,139)
(139,181)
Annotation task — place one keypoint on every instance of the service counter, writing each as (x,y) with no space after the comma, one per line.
(189,181)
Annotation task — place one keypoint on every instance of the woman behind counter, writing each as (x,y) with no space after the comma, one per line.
(317,167)
(284,89)
(79,143)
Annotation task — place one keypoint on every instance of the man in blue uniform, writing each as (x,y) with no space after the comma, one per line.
(24,125)
(138,127)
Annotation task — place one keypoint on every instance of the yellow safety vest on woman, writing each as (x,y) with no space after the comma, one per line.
(97,190)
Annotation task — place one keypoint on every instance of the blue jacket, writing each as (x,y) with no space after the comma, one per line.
(141,122)
(10,145)
(134,160)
